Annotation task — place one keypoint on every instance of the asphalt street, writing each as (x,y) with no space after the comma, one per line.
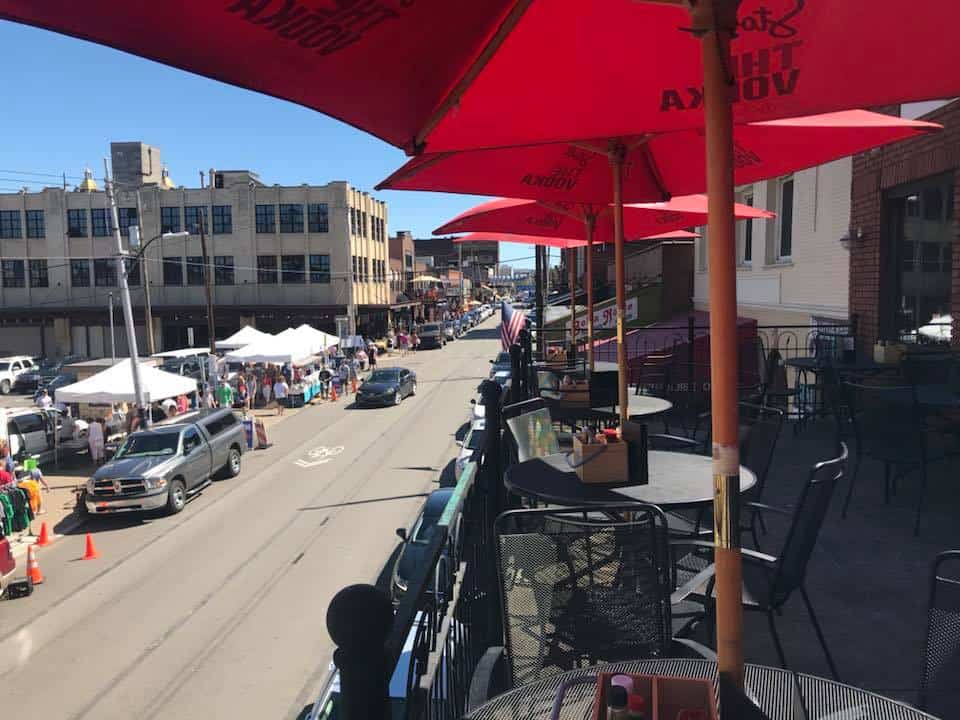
(219,612)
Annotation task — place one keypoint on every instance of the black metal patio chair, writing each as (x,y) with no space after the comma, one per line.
(770,581)
(581,586)
(889,426)
(939,689)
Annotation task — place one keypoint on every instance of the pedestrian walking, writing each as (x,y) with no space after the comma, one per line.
(225,395)
(280,391)
(44,401)
(373,357)
(415,341)
(267,389)
(95,441)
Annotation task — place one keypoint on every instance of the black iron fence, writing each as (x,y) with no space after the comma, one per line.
(449,614)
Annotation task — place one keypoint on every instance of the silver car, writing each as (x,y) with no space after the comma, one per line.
(159,468)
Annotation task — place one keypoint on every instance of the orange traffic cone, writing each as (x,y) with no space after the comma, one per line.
(44,538)
(333,392)
(33,567)
(91,552)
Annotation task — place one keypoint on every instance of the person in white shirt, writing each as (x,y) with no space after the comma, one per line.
(44,401)
(280,392)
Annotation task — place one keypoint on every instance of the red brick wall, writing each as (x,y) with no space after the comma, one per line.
(879,170)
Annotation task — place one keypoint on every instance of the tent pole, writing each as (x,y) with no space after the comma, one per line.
(591,223)
(617,153)
(716,20)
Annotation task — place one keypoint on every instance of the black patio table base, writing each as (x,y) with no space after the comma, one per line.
(780,694)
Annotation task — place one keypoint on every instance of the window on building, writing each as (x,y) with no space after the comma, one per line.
(222,268)
(222,220)
(126,216)
(169,219)
(13,274)
(291,219)
(194,270)
(318,219)
(366,269)
(132,268)
(10,224)
(173,271)
(293,269)
(266,216)
(267,265)
(38,274)
(80,273)
(77,223)
(320,269)
(104,272)
(218,180)
(785,220)
(192,217)
(746,233)
(353,221)
(35,225)
(99,222)
(356,271)
(363,223)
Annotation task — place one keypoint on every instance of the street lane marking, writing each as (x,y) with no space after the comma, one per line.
(319,456)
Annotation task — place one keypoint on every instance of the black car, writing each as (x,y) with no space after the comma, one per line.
(387,386)
(415,542)
(42,374)
(501,363)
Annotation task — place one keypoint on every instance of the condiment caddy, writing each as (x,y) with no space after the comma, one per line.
(653,697)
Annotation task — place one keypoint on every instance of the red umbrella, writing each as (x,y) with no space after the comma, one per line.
(487,73)
(591,222)
(656,167)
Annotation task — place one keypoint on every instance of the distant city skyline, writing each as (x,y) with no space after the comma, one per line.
(73,98)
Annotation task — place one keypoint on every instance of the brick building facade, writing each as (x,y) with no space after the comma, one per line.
(904,249)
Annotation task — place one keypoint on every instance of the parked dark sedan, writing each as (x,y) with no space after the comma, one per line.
(44,372)
(387,386)
(416,541)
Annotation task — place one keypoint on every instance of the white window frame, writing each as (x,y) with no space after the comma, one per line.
(780,256)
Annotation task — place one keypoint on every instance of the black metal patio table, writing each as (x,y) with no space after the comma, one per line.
(781,694)
(676,480)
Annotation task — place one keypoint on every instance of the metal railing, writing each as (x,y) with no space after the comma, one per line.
(446,618)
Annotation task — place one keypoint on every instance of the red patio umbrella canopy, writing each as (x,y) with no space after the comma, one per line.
(557,242)
(655,167)
(566,220)
(488,73)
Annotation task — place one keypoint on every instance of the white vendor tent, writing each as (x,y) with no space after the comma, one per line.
(115,385)
(280,349)
(244,336)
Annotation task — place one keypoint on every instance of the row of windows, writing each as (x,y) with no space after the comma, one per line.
(292,269)
(377,228)
(362,268)
(291,218)
(11,227)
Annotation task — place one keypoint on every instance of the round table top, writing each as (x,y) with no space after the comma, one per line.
(641,406)
(781,694)
(675,479)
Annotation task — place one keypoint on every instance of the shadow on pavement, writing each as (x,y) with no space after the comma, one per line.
(448,476)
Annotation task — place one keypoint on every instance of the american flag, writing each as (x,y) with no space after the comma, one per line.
(511,323)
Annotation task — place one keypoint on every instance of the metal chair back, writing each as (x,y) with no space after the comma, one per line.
(762,430)
(580,586)
(939,690)
(811,509)
(886,419)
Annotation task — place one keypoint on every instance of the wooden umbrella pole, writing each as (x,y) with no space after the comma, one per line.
(591,223)
(617,153)
(716,20)
(572,268)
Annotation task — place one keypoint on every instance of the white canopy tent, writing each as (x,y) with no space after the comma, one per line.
(115,385)
(280,349)
(316,340)
(243,337)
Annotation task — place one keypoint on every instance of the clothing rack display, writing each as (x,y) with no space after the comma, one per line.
(16,512)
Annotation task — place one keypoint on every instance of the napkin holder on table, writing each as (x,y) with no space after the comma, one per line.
(620,462)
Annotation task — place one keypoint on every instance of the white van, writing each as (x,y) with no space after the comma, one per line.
(29,432)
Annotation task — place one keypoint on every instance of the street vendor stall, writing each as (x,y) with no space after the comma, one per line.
(243,337)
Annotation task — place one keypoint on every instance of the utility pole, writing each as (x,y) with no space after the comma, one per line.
(538,300)
(113,344)
(145,279)
(125,298)
(460,263)
(207,275)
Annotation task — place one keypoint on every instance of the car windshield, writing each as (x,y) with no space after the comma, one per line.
(384,376)
(149,444)
(502,359)
(424,529)
(430,328)
(474,440)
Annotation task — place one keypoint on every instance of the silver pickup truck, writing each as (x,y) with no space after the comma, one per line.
(160,467)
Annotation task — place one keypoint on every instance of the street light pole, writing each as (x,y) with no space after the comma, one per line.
(113,344)
(125,297)
(145,279)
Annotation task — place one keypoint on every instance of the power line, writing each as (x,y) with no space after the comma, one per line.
(59,176)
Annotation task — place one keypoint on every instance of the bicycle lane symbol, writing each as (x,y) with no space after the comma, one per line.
(319,456)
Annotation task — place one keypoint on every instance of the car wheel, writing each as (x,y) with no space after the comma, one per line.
(397,398)
(5,387)
(232,468)
(176,497)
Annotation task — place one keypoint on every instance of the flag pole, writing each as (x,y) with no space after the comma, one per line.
(715,21)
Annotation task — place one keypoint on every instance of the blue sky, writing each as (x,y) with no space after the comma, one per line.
(55,121)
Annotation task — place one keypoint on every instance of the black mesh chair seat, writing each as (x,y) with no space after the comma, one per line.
(939,688)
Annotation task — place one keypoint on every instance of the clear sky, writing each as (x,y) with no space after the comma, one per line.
(67,99)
